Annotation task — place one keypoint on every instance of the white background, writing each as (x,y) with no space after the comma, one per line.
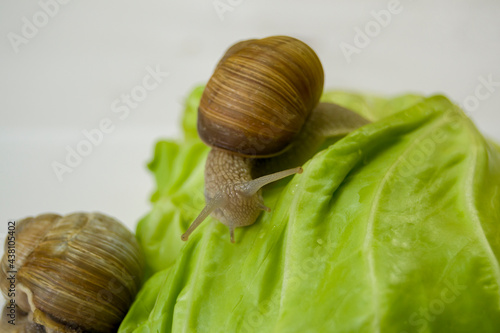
(65,77)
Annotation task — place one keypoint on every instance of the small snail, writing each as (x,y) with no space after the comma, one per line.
(77,273)
(260,114)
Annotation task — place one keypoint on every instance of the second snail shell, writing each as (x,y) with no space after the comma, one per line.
(75,273)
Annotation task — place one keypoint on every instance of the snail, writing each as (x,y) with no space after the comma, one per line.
(261,115)
(73,273)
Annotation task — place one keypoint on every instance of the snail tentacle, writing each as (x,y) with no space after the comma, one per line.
(216,202)
(251,187)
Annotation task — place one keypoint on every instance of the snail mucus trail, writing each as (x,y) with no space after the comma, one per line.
(261,115)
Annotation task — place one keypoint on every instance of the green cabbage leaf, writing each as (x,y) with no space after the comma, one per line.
(393,228)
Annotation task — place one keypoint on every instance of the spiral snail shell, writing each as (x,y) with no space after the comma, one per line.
(260,95)
(76,273)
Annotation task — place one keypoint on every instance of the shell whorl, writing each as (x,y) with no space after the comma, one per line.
(260,95)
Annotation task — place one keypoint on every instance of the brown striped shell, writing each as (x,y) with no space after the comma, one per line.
(260,95)
(76,273)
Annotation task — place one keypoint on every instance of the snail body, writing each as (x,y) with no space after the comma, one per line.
(75,273)
(260,114)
